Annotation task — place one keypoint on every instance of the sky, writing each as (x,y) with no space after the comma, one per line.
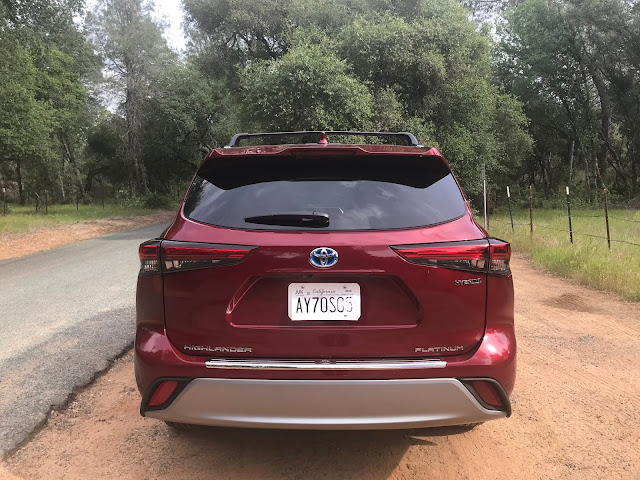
(171,12)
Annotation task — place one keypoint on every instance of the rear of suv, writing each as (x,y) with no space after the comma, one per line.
(325,285)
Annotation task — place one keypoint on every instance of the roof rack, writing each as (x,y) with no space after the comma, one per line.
(411,139)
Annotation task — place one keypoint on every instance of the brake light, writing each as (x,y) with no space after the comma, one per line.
(169,256)
(181,256)
(500,257)
(485,256)
(149,253)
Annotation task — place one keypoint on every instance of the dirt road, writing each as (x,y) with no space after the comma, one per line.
(576,415)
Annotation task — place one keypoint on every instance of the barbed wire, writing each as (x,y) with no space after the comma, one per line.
(561,230)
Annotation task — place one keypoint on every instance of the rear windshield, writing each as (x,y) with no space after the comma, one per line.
(355,192)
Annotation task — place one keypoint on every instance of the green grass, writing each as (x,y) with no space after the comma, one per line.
(588,260)
(20,219)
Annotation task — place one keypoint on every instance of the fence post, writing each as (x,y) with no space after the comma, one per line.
(46,203)
(569,213)
(77,202)
(531,209)
(510,212)
(488,207)
(4,200)
(606,216)
(484,188)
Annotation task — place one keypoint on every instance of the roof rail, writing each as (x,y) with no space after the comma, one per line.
(411,139)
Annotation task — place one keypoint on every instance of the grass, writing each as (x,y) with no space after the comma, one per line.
(20,219)
(588,260)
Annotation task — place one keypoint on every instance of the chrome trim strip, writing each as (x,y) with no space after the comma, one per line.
(257,364)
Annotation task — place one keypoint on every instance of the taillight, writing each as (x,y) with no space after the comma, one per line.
(500,256)
(181,256)
(169,256)
(485,256)
(149,253)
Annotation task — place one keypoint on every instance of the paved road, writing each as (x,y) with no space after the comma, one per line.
(64,315)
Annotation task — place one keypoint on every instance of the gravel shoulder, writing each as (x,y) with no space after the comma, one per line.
(576,416)
(14,245)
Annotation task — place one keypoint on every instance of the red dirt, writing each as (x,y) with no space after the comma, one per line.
(19,244)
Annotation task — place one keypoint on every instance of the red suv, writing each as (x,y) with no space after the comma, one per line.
(325,286)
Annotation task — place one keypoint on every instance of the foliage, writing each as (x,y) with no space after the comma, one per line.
(25,218)
(364,64)
(574,64)
(588,260)
(306,89)
(133,49)
(561,73)
(158,200)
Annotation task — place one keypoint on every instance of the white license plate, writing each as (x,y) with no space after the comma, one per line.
(324,301)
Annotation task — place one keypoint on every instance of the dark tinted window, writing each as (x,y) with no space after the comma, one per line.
(357,192)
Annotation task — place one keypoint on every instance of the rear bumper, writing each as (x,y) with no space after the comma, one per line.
(326,393)
(326,404)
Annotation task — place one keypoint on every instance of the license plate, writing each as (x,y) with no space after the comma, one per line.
(324,301)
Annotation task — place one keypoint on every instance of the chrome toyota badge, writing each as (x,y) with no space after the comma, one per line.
(323,257)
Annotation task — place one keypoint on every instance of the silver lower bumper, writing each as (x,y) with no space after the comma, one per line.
(326,404)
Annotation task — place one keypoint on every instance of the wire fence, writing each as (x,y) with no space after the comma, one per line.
(608,220)
(42,200)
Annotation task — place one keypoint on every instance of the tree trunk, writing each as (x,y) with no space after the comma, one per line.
(68,153)
(20,187)
(587,178)
(634,176)
(61,178)
(131,134)
(142,172)
(605,124)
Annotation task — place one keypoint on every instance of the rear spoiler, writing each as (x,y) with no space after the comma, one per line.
(410,139)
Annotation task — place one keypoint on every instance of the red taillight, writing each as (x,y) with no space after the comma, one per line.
(487,256)
(162,393)
(149,253)
(169,256)
(500,257)
(180,256)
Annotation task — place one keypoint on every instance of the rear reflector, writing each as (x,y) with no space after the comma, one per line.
(487,393)
(163,392)
(484,256)
(170,256)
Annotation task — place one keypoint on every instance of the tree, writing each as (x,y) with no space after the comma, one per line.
(307,88)
(133,49)
(177,126)
(44,47)
(572,63)
(25,123)
(419,65)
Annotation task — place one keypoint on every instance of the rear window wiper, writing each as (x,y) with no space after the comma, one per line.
(309,220)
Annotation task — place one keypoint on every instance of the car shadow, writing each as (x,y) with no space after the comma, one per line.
(252,453)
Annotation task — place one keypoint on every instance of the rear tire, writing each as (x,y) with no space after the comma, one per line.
(179,427)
